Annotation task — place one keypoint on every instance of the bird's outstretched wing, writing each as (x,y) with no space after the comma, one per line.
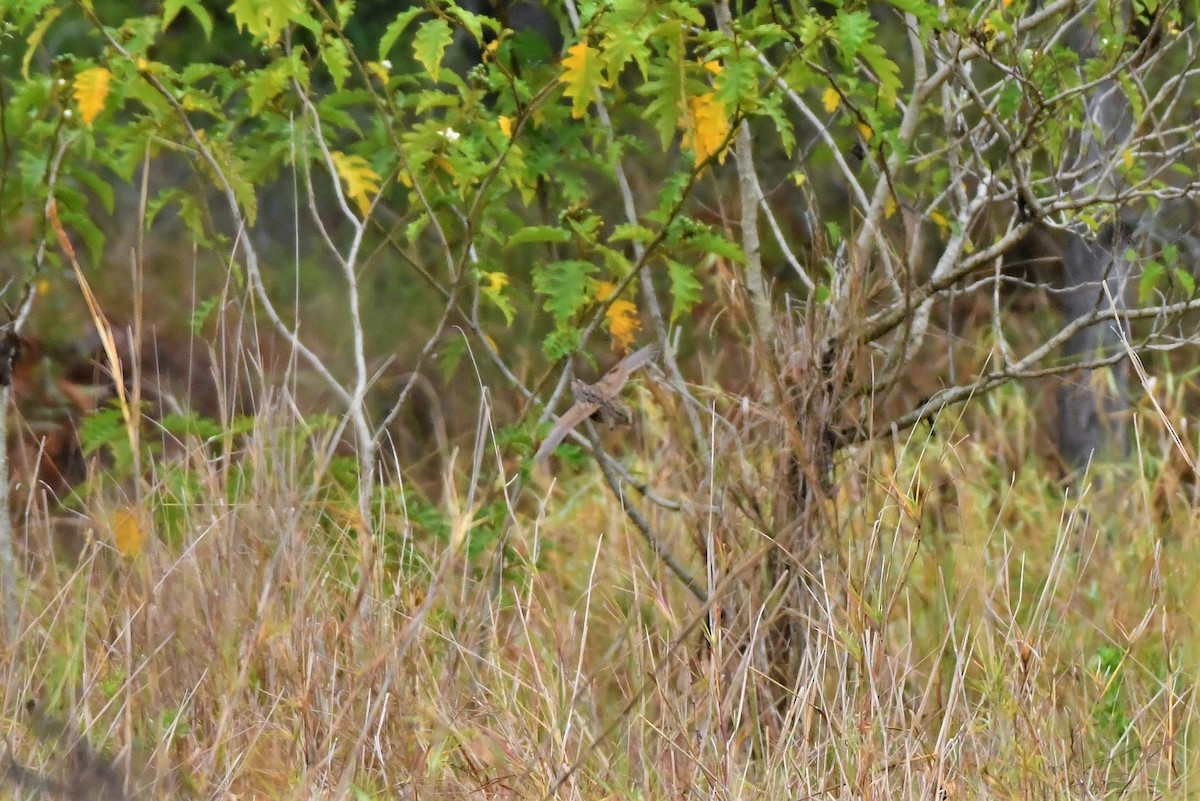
(590,398)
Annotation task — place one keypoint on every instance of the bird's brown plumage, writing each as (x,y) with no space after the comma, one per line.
(597,399)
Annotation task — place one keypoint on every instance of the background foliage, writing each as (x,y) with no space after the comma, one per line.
(337,264)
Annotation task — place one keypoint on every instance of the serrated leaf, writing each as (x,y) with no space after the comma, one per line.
(583,76)
(362,182)
(202,312)
(171,9)
(631,232)
(565,286)
(263,86)
(685,289)
(830,99)
(266,20)
(561,343)
(34,40)
(665,90)
(771,108)
(707,127)
(91,90)
(737,84)
(429,45)
(718,245)
(539,233)
(623,44)
(393,31)
(474,23)
(853,30)
(623,322)
(885,70)
(491,286)
(337,59)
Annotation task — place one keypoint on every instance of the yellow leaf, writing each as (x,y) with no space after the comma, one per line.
(605,290)
(582,75)
(714,67)
(379,71)
(1127,158)
(831,99)
(494,281)
(939,220)
(889,207)
(91,90)
(865,131)
(506,126)
(622,323)
(129,535)
(362,182)
(708,127)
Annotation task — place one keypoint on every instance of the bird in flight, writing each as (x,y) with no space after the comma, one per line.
(598,401)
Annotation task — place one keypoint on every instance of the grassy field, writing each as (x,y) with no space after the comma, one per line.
(226,628)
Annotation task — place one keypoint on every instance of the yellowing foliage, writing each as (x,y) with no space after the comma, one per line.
(91,90)
(505,126)
(623,322)
(831,99)
(362,182)
(707,127)
(582,75)
(493,281)
(129,535)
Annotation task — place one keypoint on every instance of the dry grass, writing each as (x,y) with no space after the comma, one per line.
(973,632)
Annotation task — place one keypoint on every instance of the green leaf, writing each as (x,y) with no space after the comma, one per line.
(565,286)
(203,311)
(1010,99)
(171,9)
(560,344)
(582,75)
(429,45)
(265,85)
(266,20)
(393,31)
(925,12)
(1186,281)
(665,89)
(885,70)
(35,38)
(631,232)
(771,107)
(337,59)
(718,245)
(539,233)
(685,289)
(737,85)
(1152,275)
(853,31)
(625,43)
(475,23)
